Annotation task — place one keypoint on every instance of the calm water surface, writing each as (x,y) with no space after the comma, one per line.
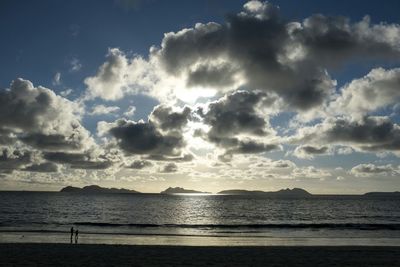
(200,215)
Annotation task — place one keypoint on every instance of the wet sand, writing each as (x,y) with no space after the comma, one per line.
(20,254)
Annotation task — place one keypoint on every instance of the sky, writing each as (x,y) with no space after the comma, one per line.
(207,95)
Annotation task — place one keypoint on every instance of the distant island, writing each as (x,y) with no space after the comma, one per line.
(283,193)
(295,192)
(90,189)
(180,190)
(382,194)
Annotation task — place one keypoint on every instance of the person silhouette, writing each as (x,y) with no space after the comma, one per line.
(76,236)
(72,233)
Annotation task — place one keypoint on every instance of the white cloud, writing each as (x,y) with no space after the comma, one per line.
(110,80)
(310,172)
(57,79)
(66,92)
(102,110)
(370,170)
(75,65)
(130,111)
(309,152)
(378,89)
(369,134)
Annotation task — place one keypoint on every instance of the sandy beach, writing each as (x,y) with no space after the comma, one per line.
(123,255)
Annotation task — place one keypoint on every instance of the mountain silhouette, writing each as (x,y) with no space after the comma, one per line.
(90,189)
(180,190)
(295,192)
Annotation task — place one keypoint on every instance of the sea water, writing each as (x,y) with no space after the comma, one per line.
(209,219)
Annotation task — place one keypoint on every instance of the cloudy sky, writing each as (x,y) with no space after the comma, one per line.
(208,95)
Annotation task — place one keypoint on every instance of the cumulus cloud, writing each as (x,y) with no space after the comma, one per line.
(168,119)
(78,160)
(369,134)
(237,124)
(144,138)
(120,75)
(248,48)
(261,50)
(40,125)
(367,170)
(170,167)
(140,164)
(55,142)
(251,147)
(378,89)
(257,49)
(332,40)
(110,79)
(308,151)
(42,119)
(160,135)
(14,159)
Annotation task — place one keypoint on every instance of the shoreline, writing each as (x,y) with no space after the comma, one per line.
(193,240)
(127,255)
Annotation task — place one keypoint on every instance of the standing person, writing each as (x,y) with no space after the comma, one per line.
(76,236)
(72,233)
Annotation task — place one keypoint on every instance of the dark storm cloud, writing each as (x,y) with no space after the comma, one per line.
(42,167)
(170,167)
(368,134)
(77,160)
(271,54)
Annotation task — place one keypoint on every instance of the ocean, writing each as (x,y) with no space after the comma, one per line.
(232,219)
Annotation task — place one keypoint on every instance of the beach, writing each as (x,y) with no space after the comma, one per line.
(13,254)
